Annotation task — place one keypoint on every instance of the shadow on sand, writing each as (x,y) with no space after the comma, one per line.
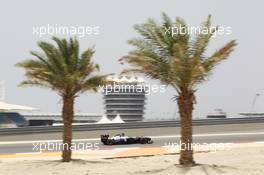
(74,161)
(179,169)
(206,168)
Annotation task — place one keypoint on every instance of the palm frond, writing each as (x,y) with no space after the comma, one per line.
(61,68)
(175,59)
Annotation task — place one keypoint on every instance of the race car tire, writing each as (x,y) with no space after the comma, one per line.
(109,142)
(143,141)
(150,141)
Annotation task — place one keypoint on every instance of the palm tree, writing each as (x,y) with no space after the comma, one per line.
(61,68)
(177,59)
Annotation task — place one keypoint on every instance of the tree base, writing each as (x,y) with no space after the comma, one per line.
(187,163)
(66,156)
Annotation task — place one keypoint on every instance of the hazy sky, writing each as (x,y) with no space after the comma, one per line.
(231,87)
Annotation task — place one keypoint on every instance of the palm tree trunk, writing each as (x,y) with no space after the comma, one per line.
(185,103)
(68,114)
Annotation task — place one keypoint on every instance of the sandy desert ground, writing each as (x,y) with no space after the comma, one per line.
(245,159)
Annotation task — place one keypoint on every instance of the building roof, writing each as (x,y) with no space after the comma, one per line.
(104,119)
(126,79)
(6,107)
(117,119)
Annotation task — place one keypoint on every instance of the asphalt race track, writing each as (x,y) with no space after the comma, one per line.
(228,133)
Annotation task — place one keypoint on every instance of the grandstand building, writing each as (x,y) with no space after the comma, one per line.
(126,97)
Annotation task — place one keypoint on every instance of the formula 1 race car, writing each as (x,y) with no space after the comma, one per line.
(122,139)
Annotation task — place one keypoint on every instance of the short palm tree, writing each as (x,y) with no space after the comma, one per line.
(61,68)
(178,60)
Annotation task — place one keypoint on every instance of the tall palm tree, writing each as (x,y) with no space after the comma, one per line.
(177,59)
(63,69)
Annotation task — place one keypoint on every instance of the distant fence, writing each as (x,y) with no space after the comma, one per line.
(130,125)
